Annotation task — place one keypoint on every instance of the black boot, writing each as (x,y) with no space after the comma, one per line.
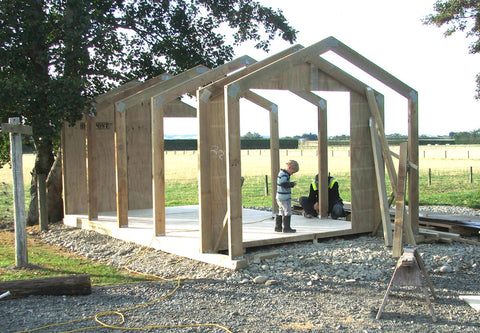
(278,223)
(286,225)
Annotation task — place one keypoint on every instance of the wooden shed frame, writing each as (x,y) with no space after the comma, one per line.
(131,117)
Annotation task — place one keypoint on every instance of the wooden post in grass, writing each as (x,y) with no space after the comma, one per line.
(16,130)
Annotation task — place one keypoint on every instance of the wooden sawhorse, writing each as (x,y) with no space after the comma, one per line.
(408,273)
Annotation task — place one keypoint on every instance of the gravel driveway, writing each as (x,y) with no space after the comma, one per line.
(336,285)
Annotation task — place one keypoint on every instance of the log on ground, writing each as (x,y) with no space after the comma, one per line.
(56,286)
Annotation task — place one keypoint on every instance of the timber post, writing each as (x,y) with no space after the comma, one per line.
(16,130)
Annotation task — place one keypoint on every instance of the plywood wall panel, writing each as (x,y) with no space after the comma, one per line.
(139,150)
(74,175)
(363,183)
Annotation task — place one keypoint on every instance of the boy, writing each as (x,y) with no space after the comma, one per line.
(284,197)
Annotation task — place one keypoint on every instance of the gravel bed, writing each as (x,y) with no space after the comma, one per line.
(335,285)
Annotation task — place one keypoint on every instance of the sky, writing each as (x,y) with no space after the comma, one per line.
(390,34)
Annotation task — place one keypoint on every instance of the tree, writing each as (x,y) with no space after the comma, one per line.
(459,15)
(57,55)
(250,135)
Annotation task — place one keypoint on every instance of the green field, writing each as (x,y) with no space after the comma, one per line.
(449,168)
(450,185)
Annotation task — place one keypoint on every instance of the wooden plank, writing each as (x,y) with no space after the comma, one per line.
(17,128)
(268,71)
(213,183)
(121,168)
(413,177)
(372,102)
(234,172)
(371,68)
(194,83)
(216,87)
(410,164)
(158,170)
(91,167)
(149,92)
(274,155)
(400,203)
(274,140)
(204,185)
(322,159)
(382,190)
(322,146)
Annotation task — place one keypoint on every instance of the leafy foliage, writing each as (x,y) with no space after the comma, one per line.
(56,55)
(459,15)
(472,137)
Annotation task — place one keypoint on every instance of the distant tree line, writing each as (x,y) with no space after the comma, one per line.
(472,137)
(466,137)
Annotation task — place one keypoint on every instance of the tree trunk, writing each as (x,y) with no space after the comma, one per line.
(44,164)
(54,190)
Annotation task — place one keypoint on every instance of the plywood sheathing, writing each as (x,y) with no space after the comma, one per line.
(212,153)
(74,148)
(158,98)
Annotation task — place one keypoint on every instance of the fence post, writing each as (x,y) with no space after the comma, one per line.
(266,185)
(429,176)
(471,175)
(16,130)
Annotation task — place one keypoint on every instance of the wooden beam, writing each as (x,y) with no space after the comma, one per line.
(400,203)
(216,87)
(233,163)
(150,91)
(212,178)
(92,167)
(410,164)
(382,190)
(204,179)
(167,95)
(372,102)
(274,140)
(17,128)
(322,159)
(269,71)
(158,170)
(322,143)
(413,178)
(274,155)
(371,68)
(121,173)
